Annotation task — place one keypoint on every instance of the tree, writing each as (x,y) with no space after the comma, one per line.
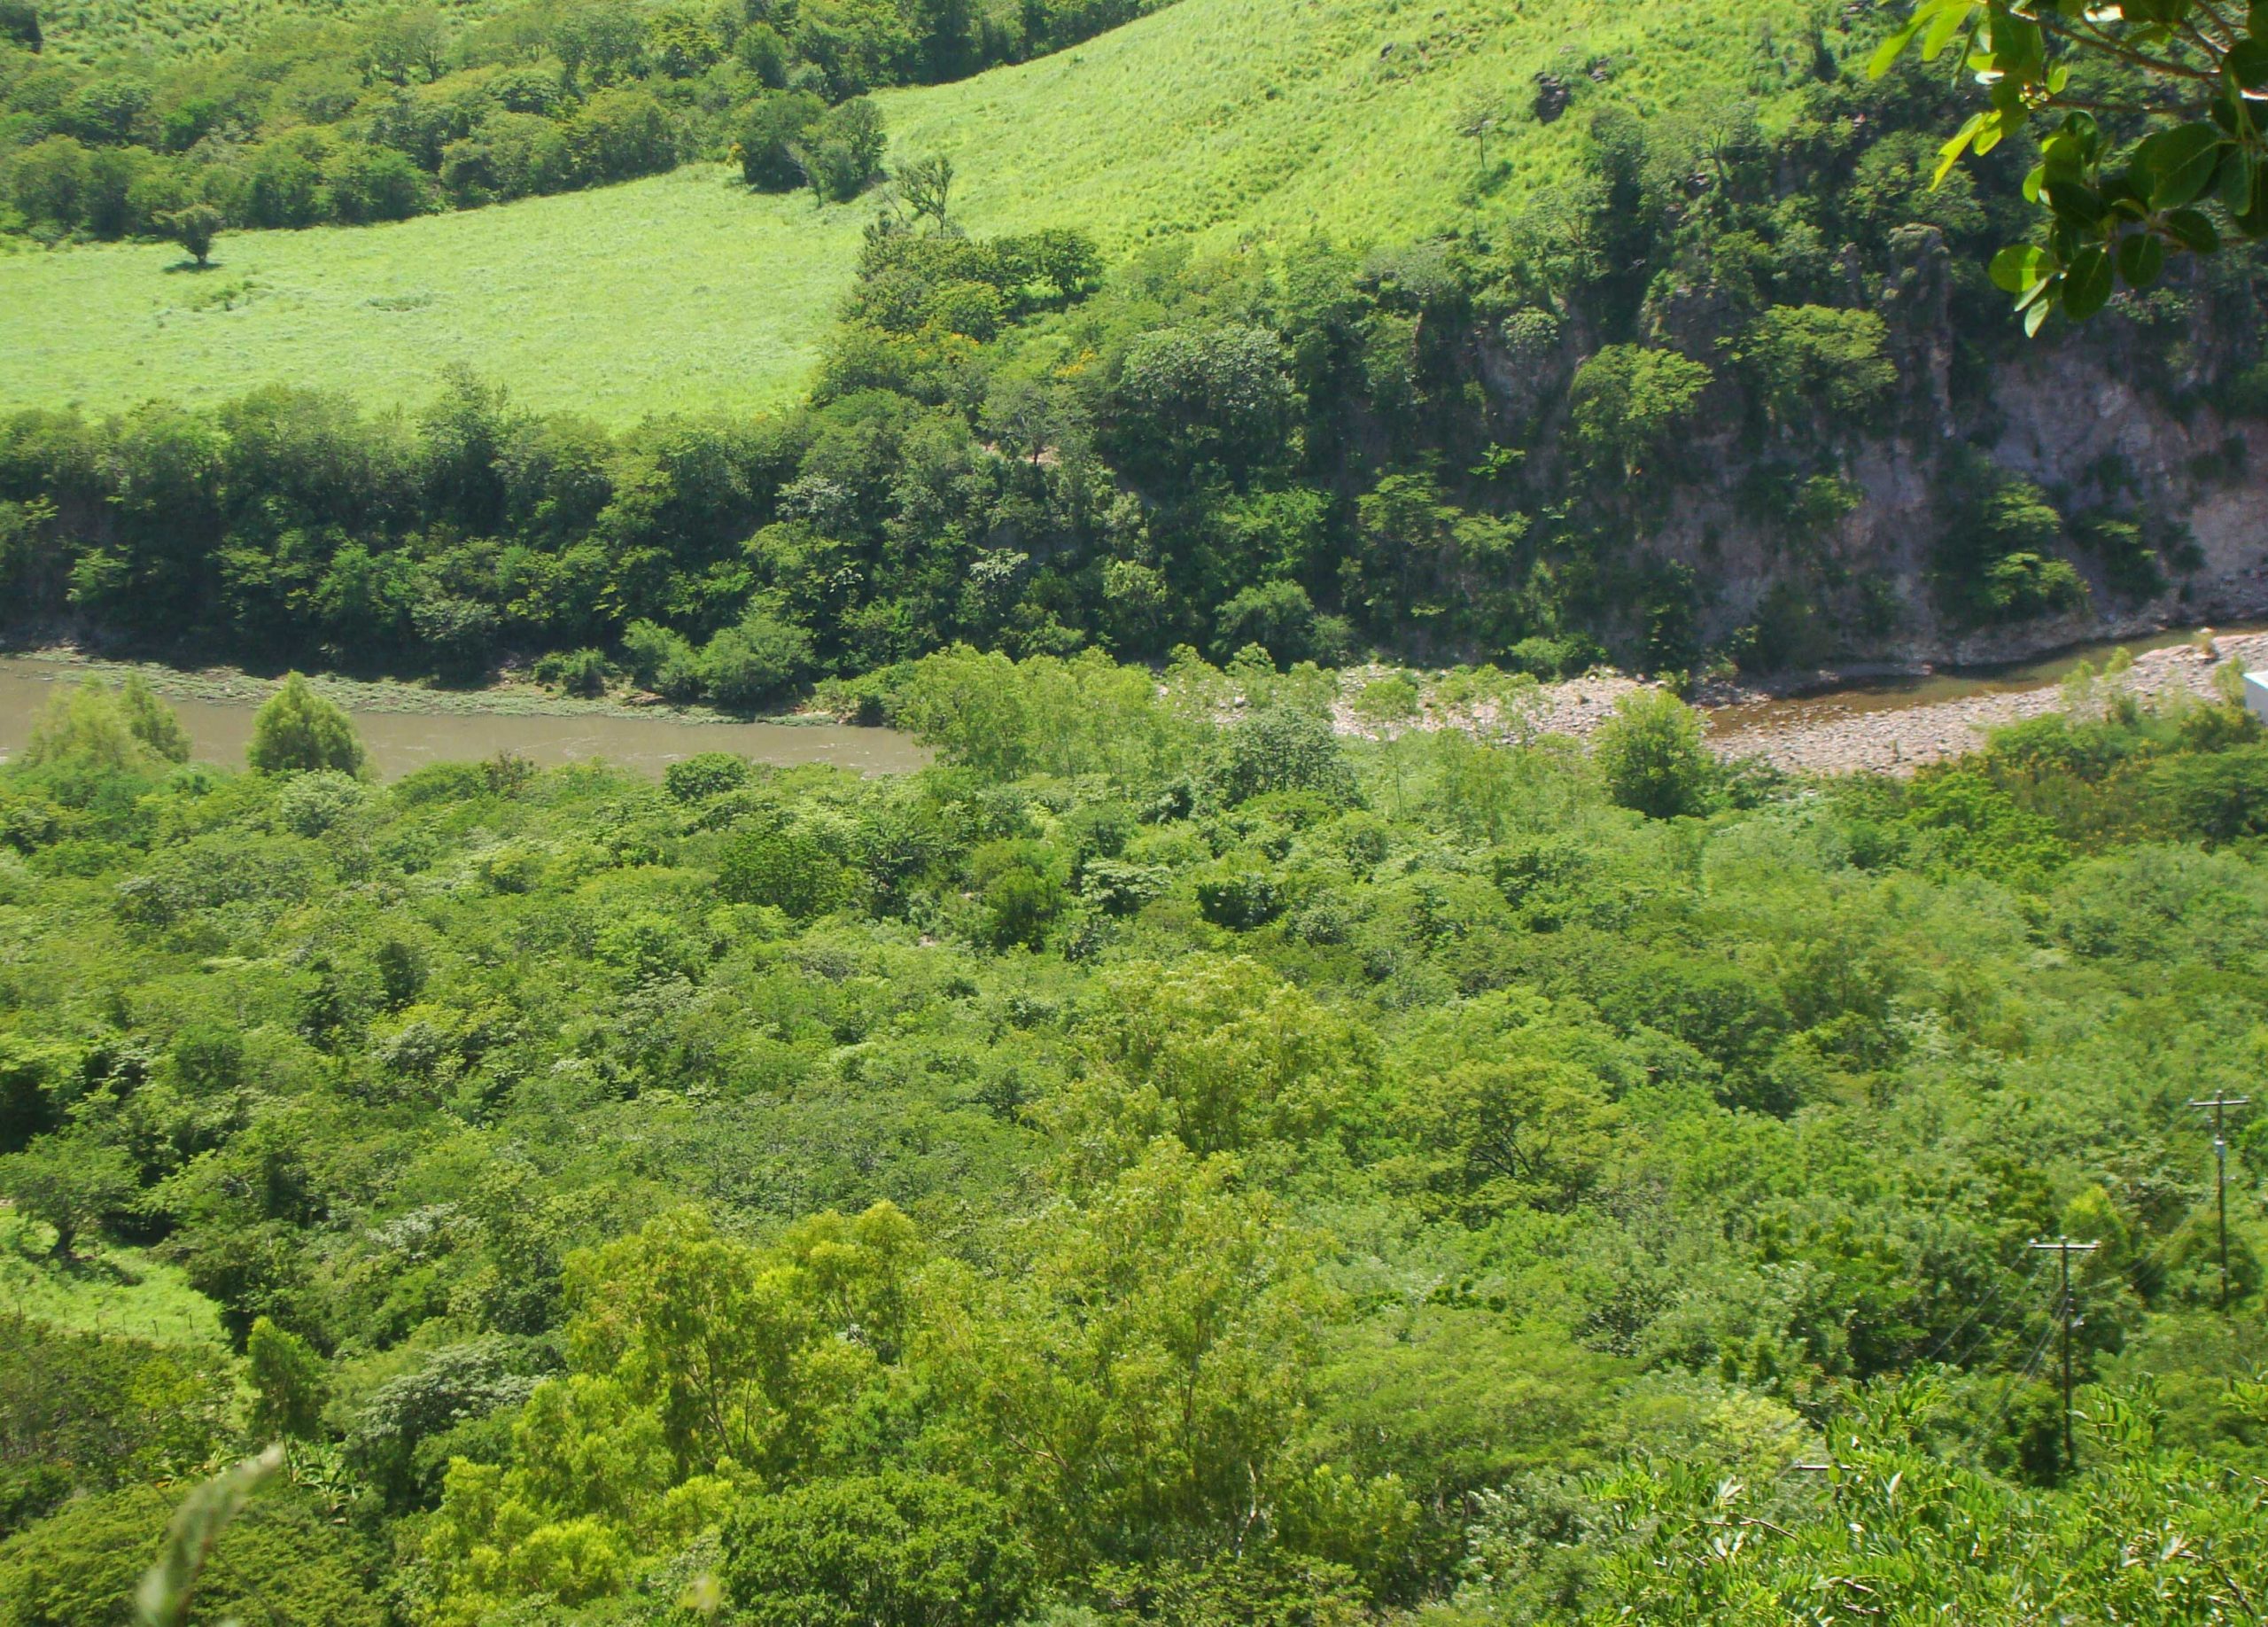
(20,22)
(771,132)
(70,1182)
(756,661)
(85,731)
(1222,393)
(1652,756)
(195,228)
(899,1549)
(288,1383)
(298,731)
(1628,400)
(1474,122)
(1810,361)
(786,867)
(151,722)
(2182,74)
(843,151)
(927,184)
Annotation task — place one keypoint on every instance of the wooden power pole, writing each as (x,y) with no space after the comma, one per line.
(2066,1314)
(2218,1103)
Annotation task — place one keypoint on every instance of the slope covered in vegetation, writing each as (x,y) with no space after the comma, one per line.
(1230,119)
(1140,1170)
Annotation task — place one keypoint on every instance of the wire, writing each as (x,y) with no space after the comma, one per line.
(1998,1297)
(2008,1391)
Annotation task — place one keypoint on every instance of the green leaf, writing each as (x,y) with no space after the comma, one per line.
(1942,28)
(162,1601)
(2076,203)
(2193,229)
(2248,63)
(2016,267)
(1886,54)
(2088,283)
(2034,315)
(2240,179)
(1949,153)
(2177,166)
(2141,257)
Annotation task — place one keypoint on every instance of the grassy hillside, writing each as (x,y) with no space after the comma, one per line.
(1217,118)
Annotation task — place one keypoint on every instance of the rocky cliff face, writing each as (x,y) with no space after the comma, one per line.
(2115,422)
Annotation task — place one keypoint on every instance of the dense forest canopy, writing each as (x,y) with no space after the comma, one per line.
(1161,1163)
(1212,1148)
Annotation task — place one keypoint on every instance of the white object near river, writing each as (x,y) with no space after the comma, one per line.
(2255,695)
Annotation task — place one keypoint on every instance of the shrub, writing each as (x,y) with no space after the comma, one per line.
(706,775)
(786,867)
(1650,755)
(756,661)
(298,731)
(900,1549)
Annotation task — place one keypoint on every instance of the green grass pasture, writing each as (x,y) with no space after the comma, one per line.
(1221,120)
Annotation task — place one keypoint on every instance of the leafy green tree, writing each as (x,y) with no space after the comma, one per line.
(20,22)
(1810,361)
(1218,393)
(899,1549)
(1139,1383)
(1650,755)
(771,131)
(85,730)
(705,775)
(926,186)
(785,866)
(1277,616)
(1218,1054)
(663,660)
(288,1379)
(1522,1131)
(69,1181)
(1282,748)
(151,722)
(756,660)
(1629,401)
(298,731)
(278,1560)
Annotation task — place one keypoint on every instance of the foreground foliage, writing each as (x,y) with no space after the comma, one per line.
(1159,1164)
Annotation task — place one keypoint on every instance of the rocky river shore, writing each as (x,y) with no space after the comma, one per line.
(1892,725)
(1870,730)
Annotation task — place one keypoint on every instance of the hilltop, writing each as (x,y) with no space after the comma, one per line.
(1214,120)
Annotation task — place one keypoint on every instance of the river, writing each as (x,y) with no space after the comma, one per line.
(1860,697)
(400,740)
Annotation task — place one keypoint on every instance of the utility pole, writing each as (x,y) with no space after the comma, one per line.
(2217,1101)
(2067,1312)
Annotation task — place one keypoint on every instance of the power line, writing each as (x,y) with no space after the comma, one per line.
(2006,1301)
(2008,1390)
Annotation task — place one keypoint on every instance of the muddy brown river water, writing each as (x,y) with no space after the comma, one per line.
(402,741)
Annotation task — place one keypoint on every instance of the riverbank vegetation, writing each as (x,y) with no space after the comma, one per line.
(1162,1163)
(1465,450)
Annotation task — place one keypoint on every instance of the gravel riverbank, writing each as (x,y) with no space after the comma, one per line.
(1886,727)
(1839,734)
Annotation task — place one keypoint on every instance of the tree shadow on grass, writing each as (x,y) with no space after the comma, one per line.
(193,265)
